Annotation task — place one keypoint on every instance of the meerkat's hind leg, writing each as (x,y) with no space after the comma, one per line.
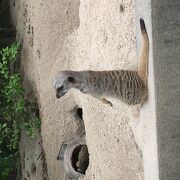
(105,101)
(135,112)
(102,99)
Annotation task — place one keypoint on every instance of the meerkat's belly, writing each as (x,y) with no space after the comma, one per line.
(134,96)
(121,84)
(128,87)
(132,89)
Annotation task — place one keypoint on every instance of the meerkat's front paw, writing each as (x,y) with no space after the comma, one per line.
(105,101)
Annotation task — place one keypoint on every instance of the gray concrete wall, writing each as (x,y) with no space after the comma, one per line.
(166,55)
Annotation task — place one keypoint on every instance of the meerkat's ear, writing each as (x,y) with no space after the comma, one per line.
(71,79)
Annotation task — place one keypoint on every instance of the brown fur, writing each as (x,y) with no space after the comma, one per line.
(143,64)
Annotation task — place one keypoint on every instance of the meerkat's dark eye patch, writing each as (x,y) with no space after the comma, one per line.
(60,88)
(71,79)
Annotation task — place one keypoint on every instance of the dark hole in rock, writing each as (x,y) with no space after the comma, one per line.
(33,168)
(121,8)
(80,112)
(80,159)
(28,175)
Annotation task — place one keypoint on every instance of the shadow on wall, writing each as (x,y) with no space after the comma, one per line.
(7,31)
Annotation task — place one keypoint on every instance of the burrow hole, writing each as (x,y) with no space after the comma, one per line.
(33,168)
(79,112)
(121,8)
(80,159)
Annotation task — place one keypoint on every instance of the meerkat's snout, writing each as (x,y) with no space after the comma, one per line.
(60,92)
(63,83)
(57,95)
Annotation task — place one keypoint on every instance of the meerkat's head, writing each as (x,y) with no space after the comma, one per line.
(64,82)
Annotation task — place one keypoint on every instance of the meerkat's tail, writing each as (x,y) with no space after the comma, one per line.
(143,64)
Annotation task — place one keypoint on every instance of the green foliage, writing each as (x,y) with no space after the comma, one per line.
(15,111)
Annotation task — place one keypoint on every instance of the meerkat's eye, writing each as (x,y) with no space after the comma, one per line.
(60,88)
(71,79)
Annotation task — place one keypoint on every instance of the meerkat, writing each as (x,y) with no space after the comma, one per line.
(83,160)
(126,85)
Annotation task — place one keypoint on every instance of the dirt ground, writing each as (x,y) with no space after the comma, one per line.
(78,35)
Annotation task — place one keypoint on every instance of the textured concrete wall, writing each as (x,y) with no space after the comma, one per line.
(108,37)
(166,47)
(100,35)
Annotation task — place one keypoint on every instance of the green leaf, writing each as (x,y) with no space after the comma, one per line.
(4,125)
